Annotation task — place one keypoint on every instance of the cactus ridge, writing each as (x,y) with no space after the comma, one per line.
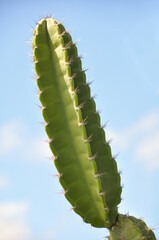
(65,126)
(106,164)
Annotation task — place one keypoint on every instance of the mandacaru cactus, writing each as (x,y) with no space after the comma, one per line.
(87,170)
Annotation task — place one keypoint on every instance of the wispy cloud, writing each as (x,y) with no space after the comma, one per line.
(10,136)
(38,149)
(49,234)
(12,222)
(16,137)
(4,182)
(142,139)
(148,151)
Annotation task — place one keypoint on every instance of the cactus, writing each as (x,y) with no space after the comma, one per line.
(130,228)
(87,171)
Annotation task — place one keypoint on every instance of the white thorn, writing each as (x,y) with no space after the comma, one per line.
(53,158)
(102,194)
(72,208)
(63,192)
(93,157)
(61,34)
(99,175)
(73,76)
(88,139)
(76,42)
(58,175)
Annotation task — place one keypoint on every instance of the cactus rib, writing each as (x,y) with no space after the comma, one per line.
(106,165)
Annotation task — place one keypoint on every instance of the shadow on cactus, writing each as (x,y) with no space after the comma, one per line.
(87,171)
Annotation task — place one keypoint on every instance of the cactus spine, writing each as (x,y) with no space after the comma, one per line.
(87,171)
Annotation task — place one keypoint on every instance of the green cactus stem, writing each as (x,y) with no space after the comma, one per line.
(146,232)
(130,228)
(87,170)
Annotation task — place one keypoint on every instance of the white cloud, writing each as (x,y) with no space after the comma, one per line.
(148,152)
(38,149)
(49,234)
(143,126)
(12,209)
(4,182)
(13,225)
(9,136)
(142,139)
(15,136)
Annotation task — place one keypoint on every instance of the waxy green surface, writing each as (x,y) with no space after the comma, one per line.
(130,228)
(87,170)
(125,230)
(146,232)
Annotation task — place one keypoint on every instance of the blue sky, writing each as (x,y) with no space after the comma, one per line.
(121,43)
